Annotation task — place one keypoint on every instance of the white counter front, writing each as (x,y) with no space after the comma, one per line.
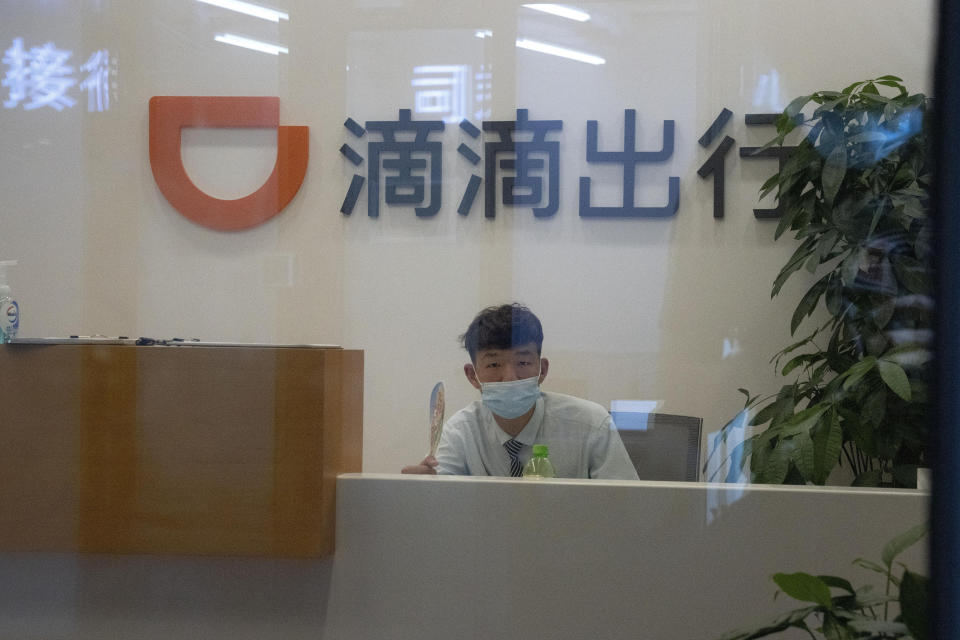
(482,558)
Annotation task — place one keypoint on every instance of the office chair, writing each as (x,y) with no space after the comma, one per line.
(661,446)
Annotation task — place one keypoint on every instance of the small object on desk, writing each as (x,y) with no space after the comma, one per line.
(436,416)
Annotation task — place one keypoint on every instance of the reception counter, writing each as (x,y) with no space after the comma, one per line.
(481,558)
(209,450)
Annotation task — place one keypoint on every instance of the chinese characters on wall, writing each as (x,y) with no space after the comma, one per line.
(520,165)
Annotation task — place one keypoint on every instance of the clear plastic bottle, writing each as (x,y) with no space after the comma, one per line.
(539,465)
(9,309)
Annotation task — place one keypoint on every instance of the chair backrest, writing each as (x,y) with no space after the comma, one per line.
(661,446)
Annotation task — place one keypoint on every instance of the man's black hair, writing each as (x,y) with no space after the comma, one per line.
(502,327)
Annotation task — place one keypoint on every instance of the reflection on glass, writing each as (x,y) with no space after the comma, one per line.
(249,9)
(40,77)
(562,52)
(766,95)
(248,43)
(442,90)
(560,10)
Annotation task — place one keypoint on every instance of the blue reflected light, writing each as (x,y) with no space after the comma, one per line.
(40,77)
(631,415)
(880,139)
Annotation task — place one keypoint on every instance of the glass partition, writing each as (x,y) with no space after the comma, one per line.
(603,163)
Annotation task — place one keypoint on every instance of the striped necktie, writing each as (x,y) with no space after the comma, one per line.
(513,448)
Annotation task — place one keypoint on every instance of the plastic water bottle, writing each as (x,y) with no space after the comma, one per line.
(9,309)
(539,465)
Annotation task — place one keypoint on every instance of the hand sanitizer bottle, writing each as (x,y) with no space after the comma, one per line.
(9,309)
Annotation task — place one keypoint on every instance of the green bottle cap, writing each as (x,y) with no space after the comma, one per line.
(540,450)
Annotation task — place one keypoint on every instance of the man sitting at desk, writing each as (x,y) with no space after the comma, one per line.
(495,435)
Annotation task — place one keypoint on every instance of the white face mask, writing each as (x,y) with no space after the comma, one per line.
(510,399)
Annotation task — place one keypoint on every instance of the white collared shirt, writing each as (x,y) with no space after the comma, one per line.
(580,435)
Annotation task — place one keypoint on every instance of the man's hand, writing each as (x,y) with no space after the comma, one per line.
(427,466)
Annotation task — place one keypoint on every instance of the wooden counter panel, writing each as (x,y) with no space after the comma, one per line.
(186,450)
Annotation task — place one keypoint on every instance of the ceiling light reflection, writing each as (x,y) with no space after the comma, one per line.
(561,10)
(249,9)
(562,52)
(247,43)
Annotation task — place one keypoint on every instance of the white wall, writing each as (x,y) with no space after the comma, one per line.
(674,310)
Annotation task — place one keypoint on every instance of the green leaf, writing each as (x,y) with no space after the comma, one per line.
(895,377)
(833,298)
(777,464)
(804,587)
(850,267)
(804,457)
(834,170)
(874,407)
(869,478)
(902,542)
(879,210)
(784,404)
(866,598)
(882,312)
(862,433)
(827,444)
(803,421)
(857,371)
(780,623)
(826,243)
(913,604)
(914,275)
(809,302)
(796,345)
(800,255)
(796,105)
(871,565)
(834,629)
(828,105)
(840,583)
(851,88)
(797,210)
(796,361)
(798,162)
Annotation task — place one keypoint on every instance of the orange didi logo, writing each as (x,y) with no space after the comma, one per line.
(170,114)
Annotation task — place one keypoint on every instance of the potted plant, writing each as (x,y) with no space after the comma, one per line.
(835,609)
(855,192)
